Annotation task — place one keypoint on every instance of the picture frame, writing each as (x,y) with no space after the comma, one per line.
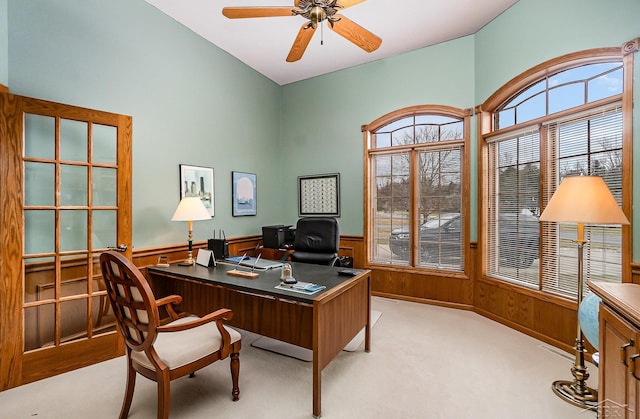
(243,194)
(319,195)
(198,181)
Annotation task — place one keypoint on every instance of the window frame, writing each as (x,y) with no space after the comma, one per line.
(516,86)
(368,131)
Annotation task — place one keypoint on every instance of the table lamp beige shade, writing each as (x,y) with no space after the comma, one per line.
(190,209)
(581,200)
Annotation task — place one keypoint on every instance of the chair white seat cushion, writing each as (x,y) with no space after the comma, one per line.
(180,348)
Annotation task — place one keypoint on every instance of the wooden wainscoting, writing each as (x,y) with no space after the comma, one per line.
(351,246)
(542,316)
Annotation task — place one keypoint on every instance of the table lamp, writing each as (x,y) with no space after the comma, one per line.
(190,209)
(581,200)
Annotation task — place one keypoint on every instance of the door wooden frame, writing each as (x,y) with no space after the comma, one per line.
(17,367)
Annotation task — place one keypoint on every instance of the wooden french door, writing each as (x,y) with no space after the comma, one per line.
(65,194)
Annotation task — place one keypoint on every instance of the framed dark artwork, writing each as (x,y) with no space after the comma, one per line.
(319,195)
(243,190)
(198,181)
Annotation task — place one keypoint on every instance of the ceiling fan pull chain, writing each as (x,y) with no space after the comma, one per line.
(321,34)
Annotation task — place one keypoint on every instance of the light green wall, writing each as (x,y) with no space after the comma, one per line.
(324,115)
(4,43)
(191,103)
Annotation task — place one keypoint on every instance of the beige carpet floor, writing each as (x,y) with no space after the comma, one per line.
(426,362)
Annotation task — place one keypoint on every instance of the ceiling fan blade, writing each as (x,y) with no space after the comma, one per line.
(245,12)
(356,34)
(349,3)
(300,44)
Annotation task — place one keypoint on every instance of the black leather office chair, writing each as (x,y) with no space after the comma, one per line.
(317,241)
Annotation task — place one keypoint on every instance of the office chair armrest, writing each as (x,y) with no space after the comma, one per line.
(217,316)
(168,303)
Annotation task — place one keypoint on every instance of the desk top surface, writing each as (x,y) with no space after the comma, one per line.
(267,280)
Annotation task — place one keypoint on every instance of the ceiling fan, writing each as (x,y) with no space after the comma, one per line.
(316,12)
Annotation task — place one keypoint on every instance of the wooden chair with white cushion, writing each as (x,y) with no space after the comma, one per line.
(164,351)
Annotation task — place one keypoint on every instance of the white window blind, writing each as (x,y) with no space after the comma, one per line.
(512,227)
(590,145)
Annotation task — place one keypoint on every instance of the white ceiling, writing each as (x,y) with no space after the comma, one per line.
(263,43)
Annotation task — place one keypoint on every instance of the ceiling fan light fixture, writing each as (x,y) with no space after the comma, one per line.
(315,12)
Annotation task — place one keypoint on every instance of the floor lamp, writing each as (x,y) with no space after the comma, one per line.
(581,200)
(190,209)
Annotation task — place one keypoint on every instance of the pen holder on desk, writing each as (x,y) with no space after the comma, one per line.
(286,275)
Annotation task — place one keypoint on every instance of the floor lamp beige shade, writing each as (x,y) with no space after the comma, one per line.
(190,209)
(581,200)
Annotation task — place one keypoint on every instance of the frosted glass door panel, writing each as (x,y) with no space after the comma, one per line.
(73,230)
(39,231)
(104,228)
(73,185)
(39,184)
(73,140)
(39,136)
(105,140)
(104,187)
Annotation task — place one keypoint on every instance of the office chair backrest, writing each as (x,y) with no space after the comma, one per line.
(316,241)
(131,299)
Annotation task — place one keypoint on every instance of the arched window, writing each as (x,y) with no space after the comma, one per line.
(417,188)
(564,117)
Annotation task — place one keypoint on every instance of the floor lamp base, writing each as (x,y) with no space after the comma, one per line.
(568,391)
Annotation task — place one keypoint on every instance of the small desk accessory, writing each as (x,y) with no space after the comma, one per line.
(244,274)
(163,262)
(348,272)
(206,258)
(287,276)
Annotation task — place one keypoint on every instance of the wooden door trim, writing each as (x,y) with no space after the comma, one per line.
(11,319)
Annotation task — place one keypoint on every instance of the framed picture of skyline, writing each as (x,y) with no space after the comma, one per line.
(198,181)
(243,190)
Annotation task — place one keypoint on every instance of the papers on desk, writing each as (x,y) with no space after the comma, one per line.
(301,287)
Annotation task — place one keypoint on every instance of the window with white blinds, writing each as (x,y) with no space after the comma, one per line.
(512,227)
(544,256)
(589,145)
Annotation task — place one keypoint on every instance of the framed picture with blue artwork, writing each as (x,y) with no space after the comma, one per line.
(243,197)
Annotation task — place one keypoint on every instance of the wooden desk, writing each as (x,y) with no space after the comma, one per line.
(619,346)
(324,322)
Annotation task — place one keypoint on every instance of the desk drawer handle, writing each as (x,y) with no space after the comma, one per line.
(632,365)
(623,352)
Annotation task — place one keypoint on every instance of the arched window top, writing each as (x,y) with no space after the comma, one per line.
(418,125)
(561,91)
